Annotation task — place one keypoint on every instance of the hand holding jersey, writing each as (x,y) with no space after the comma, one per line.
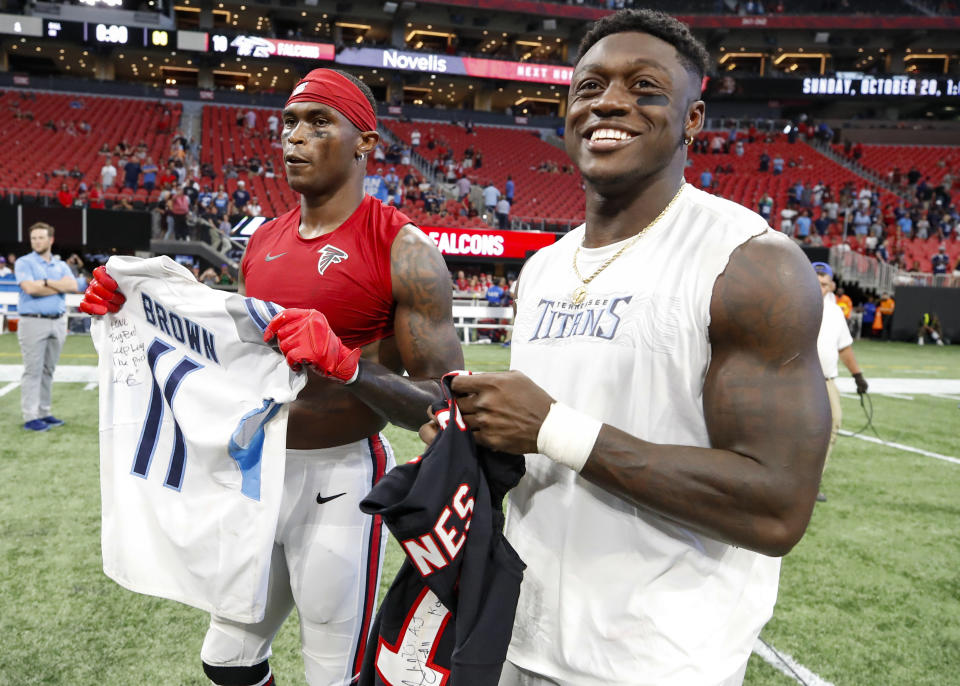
(305,337)
(102,295)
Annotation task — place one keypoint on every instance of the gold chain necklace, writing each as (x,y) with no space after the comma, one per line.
(580,292)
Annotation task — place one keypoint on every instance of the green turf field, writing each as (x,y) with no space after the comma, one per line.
(870,596)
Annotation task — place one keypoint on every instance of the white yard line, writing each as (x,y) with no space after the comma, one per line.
(901,446)
(947,396)
(785,663)
(67,373)
(852,396)
(896,395)
(9,387)
(90,386)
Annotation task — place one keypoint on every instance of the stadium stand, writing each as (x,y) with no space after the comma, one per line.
(225,138)
(547,197)
(45,131)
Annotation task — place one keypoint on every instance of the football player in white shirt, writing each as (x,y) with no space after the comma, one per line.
(667,393)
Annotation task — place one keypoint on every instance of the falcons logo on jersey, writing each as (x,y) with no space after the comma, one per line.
(330,255)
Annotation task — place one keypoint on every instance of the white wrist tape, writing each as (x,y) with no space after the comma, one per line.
(567,436)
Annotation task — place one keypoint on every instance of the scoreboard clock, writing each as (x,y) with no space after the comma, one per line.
(93,33)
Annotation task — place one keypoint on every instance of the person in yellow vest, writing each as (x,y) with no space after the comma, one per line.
(845,303)
(886,308)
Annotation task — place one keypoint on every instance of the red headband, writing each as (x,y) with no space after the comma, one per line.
(330,88)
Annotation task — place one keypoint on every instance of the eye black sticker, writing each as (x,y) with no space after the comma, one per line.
(654,100)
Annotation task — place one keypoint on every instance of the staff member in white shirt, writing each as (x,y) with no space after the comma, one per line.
(833,344)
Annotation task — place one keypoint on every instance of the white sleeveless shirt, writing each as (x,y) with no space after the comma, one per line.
(613,595)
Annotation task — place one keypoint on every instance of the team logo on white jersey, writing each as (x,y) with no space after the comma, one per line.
(330,255)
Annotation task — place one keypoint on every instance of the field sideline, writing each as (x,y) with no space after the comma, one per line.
(869,597)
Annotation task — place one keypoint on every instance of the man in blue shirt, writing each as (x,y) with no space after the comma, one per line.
(43,279)
(706,179)
(510,189)
(150,171)
(376,185)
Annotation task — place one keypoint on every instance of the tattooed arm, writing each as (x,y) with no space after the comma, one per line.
(764,401)
(423,327)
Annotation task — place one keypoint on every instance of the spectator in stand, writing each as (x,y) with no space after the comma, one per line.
(461,282)
(885,312)
(463,187)
(255,165)
(803,225)
(64,196)
(150,171)
(392,180)
(131,174)
(376,185)
(503,214)
(229,169)
(268,170)
(415,139)
(241,196)
(509,189)
(787,215)
(738,148)
(765,207)
(940,261)
(905,225)
(250,122)
(478,160)
(706,180)
(253,208)
(490,197)
(209,277)
(495,293)
(225,279)
(108,173)
(717,144)
(777,165)
(913,176)
(179,207)
(379,156)
(273,124)
(764,162)
(5,270)
(861,223)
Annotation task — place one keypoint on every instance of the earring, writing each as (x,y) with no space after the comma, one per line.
(687,140)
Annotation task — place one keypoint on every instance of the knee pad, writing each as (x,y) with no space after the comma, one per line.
(253,675)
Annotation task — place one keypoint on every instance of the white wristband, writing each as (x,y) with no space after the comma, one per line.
(567,436)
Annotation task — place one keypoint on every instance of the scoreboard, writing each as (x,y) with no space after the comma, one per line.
(93,33)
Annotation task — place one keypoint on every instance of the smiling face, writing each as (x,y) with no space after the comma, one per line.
(321,147)
(631,104)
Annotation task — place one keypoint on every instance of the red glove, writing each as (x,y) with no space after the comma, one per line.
(101,295)
(304,336)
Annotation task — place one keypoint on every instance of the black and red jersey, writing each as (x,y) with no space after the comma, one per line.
(448,615)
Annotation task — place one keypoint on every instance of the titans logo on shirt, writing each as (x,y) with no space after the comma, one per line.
(594,318)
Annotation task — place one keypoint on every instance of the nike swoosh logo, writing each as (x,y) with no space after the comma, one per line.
(270,258)
(321,500)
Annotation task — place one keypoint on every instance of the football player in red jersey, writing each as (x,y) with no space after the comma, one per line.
(367,296)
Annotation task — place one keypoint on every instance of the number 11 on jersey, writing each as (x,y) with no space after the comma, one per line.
(149,435)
